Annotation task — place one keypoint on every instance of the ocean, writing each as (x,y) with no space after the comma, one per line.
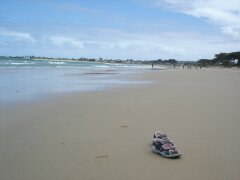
(26,79)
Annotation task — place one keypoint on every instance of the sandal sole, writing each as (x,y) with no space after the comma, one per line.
(164,155)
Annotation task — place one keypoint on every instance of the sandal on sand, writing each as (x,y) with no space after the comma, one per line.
(163,146)
(163,138)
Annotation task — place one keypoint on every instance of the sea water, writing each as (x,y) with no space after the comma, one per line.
(26,79)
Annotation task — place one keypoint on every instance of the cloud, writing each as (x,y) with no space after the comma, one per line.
(62,41)
(18,36)
(225,14)
(110,43)
(114,44)
(109,39)
(232,30)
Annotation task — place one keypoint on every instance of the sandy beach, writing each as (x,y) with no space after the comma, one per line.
(106,135)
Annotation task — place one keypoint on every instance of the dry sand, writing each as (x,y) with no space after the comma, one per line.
(107,135)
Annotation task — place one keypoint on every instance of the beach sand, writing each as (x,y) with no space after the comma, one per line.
(107,135)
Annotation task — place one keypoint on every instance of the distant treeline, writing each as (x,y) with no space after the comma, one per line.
(160,61)
(222,59)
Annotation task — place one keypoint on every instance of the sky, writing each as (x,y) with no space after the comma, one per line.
(120,29)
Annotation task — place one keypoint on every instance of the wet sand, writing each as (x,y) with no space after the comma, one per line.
(107,134)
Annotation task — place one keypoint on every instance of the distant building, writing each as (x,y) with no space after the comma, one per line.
(234,61)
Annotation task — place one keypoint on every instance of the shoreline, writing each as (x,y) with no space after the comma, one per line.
(34,82)
(107,134)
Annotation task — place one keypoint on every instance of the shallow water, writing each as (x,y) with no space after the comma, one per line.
(22,80)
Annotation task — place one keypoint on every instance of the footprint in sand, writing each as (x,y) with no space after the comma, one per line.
(102,157)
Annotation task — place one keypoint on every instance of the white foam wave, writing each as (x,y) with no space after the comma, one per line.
(14,63)
(54,62)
